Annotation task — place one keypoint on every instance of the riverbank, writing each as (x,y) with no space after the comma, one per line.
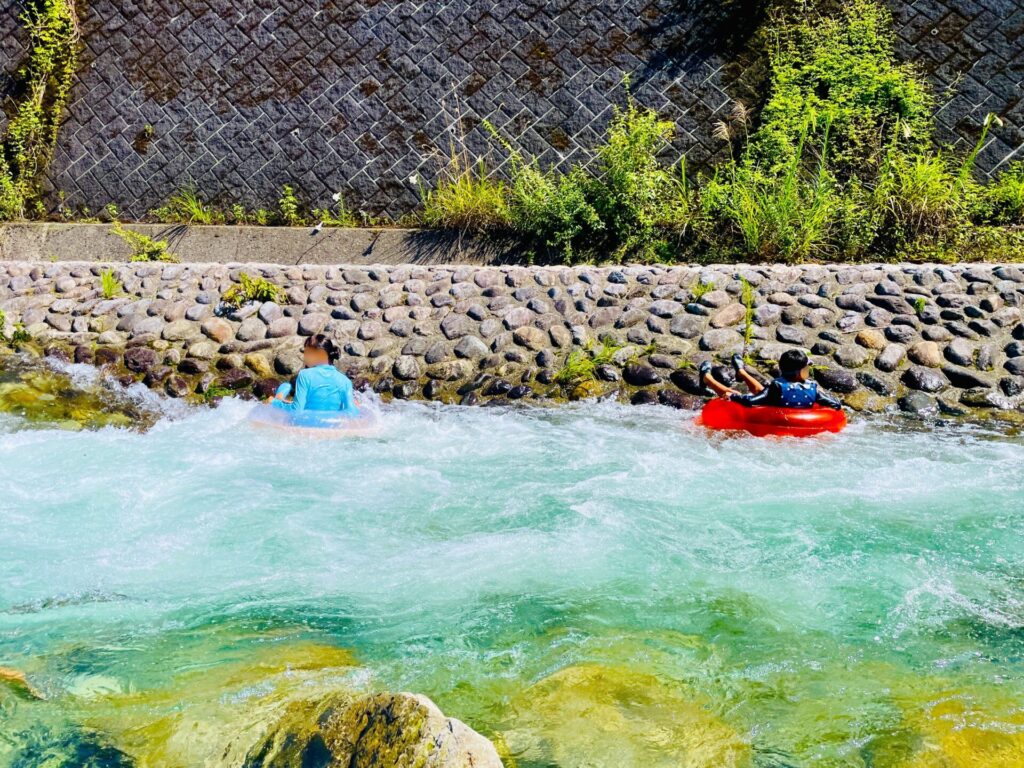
(918,338)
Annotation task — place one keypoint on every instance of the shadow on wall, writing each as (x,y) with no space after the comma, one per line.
(692,32)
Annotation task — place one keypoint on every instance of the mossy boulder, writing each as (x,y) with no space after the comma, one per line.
(382,730)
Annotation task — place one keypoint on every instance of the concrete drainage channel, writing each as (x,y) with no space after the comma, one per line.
(53,241)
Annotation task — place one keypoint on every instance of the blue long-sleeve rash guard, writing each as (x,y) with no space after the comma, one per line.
(323,388)
(782,393)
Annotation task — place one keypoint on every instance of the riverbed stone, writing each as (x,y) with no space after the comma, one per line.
(917,404)
(288,362)
(728,316)
(251,329)
(836,379)
(687,326)
(312,323)
(851,356)
(218,329)
(406,367)
(140,359)
(924,378)
(281,327)
(471,347)
(181,330)
(960,352)
(456,326)
(259,365)
(720,338)
(925,353)
(236,379)
(871,338)
(965,378)
(530,337)
(640,375)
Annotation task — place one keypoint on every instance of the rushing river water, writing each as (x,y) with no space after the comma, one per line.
(590,586)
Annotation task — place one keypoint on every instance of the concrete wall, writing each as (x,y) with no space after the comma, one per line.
(240,96)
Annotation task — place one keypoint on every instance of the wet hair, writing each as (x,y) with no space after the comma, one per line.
(792,362)
(320,341)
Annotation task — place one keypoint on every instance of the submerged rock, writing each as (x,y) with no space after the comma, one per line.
(386,730)
(42,396)
(609,716)
(16,681)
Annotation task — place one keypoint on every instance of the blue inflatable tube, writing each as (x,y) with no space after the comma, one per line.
(326,423)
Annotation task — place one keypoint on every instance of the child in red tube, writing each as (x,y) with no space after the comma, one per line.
(792,389)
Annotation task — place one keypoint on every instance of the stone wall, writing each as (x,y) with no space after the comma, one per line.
(923,338)
(240,97)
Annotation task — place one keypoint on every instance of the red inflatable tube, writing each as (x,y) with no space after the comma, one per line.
(763,420)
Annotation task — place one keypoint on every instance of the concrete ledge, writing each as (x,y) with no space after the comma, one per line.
(267,245)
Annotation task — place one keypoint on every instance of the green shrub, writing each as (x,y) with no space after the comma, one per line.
(260,217)
(11,202)
(748,299)
(920,195)
(466,197)
(250,289)
(701,289)
(1003,197)
(553,211)
(635,195)
(837,72)
(144,247)
(45,79)
(778,216)
(626,209)
(186,207)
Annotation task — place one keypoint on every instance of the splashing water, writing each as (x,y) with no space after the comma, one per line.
(589,586)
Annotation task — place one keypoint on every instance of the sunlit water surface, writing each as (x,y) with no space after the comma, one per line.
(589,586)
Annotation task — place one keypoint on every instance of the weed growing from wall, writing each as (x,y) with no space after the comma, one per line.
(250,289)
(144,247)
(45,81)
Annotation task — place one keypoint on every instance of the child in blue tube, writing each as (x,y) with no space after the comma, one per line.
(320,388)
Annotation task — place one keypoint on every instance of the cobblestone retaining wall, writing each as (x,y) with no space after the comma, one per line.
(240,98)
(923,338)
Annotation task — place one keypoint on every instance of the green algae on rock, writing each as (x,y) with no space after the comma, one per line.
(381,730)
(42,397)
(595,715)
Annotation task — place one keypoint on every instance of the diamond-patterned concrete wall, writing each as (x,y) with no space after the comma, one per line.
(973,53)
(239,97)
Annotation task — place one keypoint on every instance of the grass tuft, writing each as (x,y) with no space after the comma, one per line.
(252,289)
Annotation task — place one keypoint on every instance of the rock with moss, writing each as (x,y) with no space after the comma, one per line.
(384,730)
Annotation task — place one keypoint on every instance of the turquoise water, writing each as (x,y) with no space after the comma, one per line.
(596,585)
